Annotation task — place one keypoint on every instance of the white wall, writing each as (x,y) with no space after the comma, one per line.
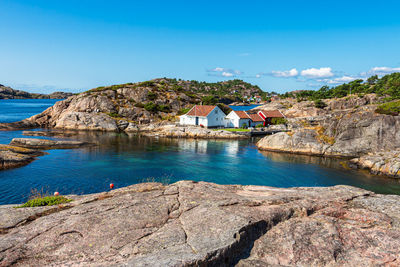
(216,118)
(234,121)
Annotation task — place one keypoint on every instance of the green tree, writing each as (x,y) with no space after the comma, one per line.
(319,103)
(372,80)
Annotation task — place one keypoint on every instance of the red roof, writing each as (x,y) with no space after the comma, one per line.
(242,114)
(255,117)
(272,113)
(201,111)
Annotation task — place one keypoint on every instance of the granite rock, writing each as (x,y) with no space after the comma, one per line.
(205,224)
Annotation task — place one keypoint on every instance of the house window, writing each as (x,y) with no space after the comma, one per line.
(216,111)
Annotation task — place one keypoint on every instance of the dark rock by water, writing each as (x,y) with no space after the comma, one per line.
(47,144)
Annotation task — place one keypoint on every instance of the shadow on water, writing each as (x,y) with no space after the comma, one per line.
(128,159)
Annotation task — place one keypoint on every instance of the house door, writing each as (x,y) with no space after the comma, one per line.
(197,120)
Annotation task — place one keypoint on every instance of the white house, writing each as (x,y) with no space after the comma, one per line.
(236,119)
(203,115)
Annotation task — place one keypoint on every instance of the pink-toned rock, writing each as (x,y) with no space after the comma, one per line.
(205,224)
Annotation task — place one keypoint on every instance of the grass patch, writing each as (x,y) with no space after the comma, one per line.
(321,136)
(234,130)
(113,115)
(45,201)
(390,108)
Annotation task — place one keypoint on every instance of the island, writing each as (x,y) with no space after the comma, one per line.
(7,92)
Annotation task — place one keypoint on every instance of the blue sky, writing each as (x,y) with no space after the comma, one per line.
(278,45)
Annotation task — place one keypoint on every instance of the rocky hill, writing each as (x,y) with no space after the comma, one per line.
(9,93)
(225,92)
(122,107)
(205,224)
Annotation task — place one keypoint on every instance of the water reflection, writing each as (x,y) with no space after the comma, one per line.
(127,159)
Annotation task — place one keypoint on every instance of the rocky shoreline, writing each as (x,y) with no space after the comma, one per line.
(205,224)
(381,163)
(174,131)
(14,156)
(22,151)
(347,128)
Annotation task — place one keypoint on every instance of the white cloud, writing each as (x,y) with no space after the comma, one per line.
(285,74)
(227,74)
(343,79)
(317,73)
(382,70)
(218,69)
(258,75)
(244,54)
(224,72)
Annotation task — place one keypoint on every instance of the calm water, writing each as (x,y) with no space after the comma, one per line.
(243,107)
(18,109)
(125,160)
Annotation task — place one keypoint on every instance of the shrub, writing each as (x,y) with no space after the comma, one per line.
(320,104)
(244,126)
(209,100)
(177,88)
(151,95)
(183,111)
(164,108)
(151,107)
(139,105)
(259,126)
(276,121)
(190,94)
(147,84)
(116,87)
(390,108)
(45,201)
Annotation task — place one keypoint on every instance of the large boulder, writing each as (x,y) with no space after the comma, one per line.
(86,121)
(304,141)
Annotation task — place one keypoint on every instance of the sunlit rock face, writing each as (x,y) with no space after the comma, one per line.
(205,224)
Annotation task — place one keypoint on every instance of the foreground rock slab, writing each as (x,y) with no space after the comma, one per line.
(47,144)
(205,224)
